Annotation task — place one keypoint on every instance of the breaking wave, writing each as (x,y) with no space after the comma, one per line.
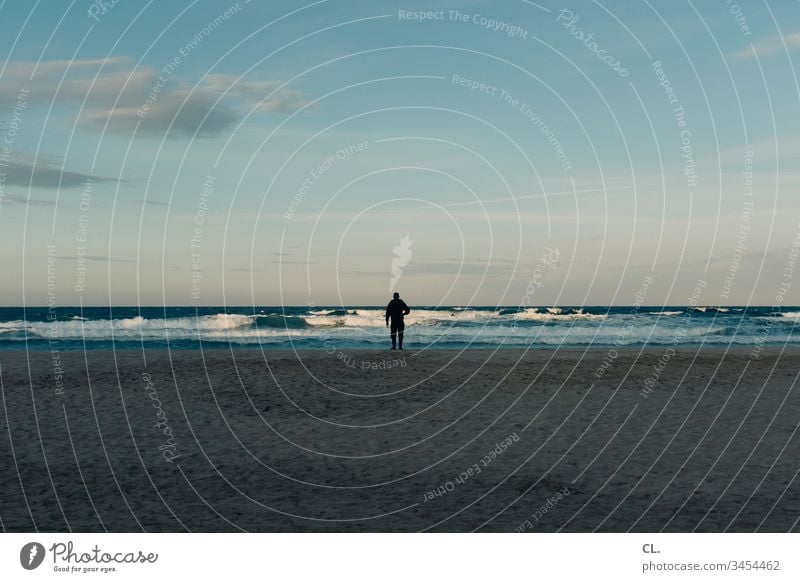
(365,327)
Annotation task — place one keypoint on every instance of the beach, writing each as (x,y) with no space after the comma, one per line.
(330,440)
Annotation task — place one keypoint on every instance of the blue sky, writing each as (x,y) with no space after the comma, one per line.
(486,133)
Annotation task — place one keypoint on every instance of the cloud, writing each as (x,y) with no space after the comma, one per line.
(182,113)
(263,95)
(151,202)
(45,173)
(96,258)
(117,96)
(286,262)
(769,46)
(22,200)
(98,81)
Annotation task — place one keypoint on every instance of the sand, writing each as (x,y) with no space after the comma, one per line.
(504,441)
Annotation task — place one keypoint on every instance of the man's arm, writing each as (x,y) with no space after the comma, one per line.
(406,309)
(387,314)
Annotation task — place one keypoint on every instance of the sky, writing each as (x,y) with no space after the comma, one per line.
(462,152)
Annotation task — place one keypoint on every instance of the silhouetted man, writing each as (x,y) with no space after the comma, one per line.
(395,312)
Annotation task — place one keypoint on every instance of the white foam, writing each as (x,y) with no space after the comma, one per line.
(423,326)
(791,315)
(532,314)
(132,327)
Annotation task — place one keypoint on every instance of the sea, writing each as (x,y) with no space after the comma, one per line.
(363,327)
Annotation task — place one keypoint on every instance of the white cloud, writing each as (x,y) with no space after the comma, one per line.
(185,114)
(118,96)
(95,80)
(264,95)
(46,173)
(769,46)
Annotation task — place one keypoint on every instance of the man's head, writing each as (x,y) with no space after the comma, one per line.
(396,295)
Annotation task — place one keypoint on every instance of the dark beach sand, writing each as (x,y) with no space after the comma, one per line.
(277,441)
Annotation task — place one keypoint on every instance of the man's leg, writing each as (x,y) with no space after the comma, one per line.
(394,335)
(400,329)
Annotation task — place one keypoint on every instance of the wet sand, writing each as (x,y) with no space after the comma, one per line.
(504,441)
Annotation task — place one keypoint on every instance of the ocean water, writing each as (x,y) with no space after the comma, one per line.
(355,327)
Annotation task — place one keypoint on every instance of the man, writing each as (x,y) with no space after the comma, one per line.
(395,311)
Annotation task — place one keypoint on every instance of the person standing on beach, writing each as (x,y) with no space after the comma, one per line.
(395,311)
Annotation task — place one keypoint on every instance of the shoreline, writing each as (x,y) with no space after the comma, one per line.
(770,349)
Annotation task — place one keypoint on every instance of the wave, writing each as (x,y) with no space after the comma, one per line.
(280,321)
(664,313)
(365,327)
(129,326)
(369,318)
(556,314)
(332,311)
(793,315)
(782,317)
(713,309)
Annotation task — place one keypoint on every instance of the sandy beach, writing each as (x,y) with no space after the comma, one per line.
(498,441)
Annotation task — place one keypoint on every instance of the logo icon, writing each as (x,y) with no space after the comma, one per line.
(402,255)
(31,555)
